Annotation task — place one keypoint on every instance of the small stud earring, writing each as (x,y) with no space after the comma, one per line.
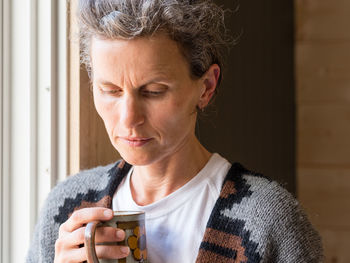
(200,109)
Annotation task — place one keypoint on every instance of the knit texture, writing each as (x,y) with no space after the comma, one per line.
(253,220)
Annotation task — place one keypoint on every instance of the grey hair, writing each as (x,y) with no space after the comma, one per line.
(197,26)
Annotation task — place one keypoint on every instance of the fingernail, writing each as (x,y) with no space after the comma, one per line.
(120,234)
(107,213)
(124,250)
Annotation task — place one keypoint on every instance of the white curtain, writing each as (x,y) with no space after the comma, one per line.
(33,115)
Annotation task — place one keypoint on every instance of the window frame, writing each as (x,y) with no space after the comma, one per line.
(33,61)
(4,130)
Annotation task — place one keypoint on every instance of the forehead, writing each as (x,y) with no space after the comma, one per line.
(139,57)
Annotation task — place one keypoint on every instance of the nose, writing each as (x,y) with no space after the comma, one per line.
(131,113)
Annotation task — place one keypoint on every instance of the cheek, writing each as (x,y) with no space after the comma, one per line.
(105,110)
(98,105)
(173,119)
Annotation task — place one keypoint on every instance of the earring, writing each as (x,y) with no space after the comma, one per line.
(199,109)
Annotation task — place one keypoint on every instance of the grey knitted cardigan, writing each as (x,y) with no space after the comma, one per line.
(254,219)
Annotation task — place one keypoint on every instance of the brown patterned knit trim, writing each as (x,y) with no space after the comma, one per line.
(226,240)
(211,257)
(228,189)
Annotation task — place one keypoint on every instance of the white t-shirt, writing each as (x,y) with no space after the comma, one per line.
(175,225)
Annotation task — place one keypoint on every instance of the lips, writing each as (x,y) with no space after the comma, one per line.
(135,141)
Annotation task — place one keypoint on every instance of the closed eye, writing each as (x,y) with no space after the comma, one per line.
(109,90)
(153,90)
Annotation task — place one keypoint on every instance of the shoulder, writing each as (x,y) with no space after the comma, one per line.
(255,191)
(95,178)
(88,177)
(61,201)
(272,217)
(268,195)
(256,199)
(85,188)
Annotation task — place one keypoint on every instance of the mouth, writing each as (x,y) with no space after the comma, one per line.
(135,141)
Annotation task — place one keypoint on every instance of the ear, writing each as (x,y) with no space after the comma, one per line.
(209,82)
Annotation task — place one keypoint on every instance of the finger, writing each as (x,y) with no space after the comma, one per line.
(73,239)
(103,234)
(105,252)
(86,215)
(109,234)
(72,256)
(112,252)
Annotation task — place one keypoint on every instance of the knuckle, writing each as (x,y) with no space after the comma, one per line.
(84,215)
(59,259)
(58,245)
(81,234)
(75,217)
(61,229)
(66,259)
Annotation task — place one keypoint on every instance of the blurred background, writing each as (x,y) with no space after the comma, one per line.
(283,109)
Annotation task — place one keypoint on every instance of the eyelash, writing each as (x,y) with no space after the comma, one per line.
(109,92)
(152,93)
(144,92)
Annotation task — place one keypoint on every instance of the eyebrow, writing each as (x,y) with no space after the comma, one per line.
(106,82)
(154,80)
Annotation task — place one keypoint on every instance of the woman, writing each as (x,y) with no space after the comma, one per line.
(154,65)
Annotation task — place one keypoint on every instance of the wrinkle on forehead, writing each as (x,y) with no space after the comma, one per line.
(128,65)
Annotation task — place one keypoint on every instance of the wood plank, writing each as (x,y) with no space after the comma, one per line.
(323,134)
(324,193)
(88,143)
(322,58)
(336,245)
(95,146)
(322,19)
(73,100)
(322,72)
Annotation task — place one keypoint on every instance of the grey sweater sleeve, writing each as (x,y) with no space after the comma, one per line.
(273,224)
(32,255)
(88,183)
(46,232)
(293,238)
(288,235)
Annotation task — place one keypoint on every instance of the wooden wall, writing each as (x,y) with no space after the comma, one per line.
(253,118)
(323,120)
(88,142)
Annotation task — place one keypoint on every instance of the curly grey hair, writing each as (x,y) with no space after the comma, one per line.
(197,26)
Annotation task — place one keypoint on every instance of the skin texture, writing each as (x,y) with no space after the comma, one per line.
(71,235)
(144,92)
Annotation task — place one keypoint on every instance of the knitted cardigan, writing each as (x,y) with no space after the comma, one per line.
(253,220)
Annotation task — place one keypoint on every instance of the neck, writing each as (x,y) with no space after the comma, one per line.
(153,182)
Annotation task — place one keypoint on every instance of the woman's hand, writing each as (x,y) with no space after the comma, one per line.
(71,236)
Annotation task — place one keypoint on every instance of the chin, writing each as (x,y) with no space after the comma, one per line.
(137,159)
(139,156)
(137,162)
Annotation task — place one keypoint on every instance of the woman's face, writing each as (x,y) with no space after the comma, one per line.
(145,95)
